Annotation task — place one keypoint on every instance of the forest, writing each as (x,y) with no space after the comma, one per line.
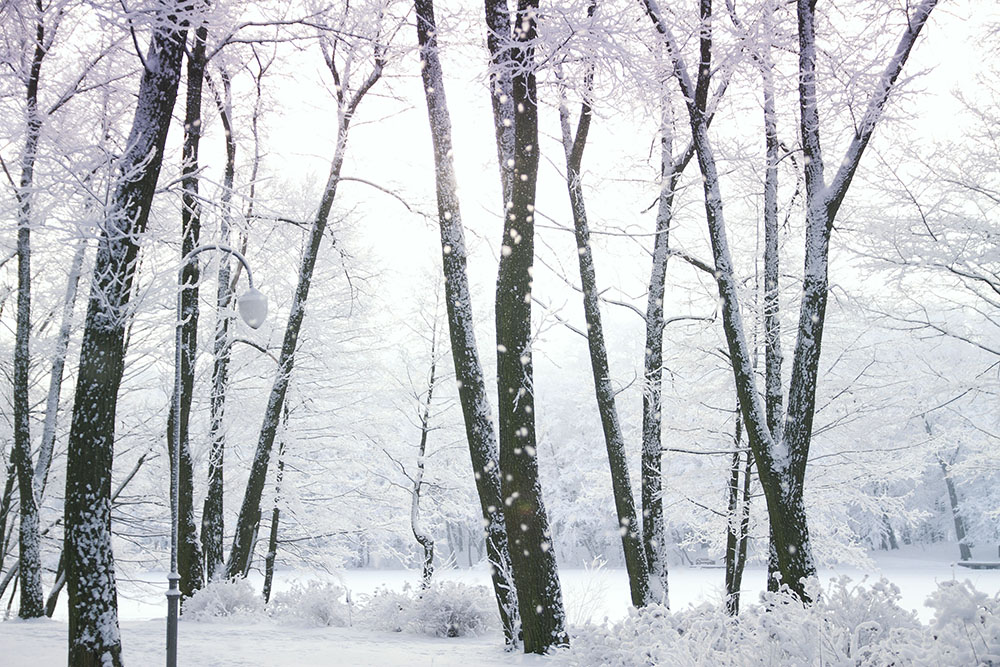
(592,332)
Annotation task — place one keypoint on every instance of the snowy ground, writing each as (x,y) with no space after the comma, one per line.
(592,595)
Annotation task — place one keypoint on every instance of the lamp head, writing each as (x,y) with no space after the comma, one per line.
(253,307)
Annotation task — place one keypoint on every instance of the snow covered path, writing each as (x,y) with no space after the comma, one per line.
(236,644)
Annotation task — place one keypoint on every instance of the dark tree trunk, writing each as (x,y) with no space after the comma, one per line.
(543,620)
(5,511)
(60,580)
(57,586)
(476,411)
(890,534)
(248,523)
(32,601)
(272,540)
(628,523)
(90,575)
(738,522)
(212,521)
(189,557)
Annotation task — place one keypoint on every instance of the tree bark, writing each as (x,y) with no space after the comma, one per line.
(6,502)
(738,523)
(189,556)
(32,601)
(653,527)
(964,547)
(476,410)
(272,540)
(94,638)
(773,392)
(543,619)
(212,520)
(423,538)
(628,523)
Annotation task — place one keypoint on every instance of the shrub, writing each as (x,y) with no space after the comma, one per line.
(318,603)
(848,626)
(223,598)
(386,609)
(444,609)
(453,609)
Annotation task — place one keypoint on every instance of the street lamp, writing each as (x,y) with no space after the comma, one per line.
(252,306)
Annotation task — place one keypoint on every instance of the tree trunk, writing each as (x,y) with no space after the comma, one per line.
(890,534)
(248,522)
(272,540)
(93,609)
(628,524)
(964,548)
(423,538)
(189,557)
(212,520)
(47,447)
(738,523)
(476,411)
(5,511)
(32,600)
(653,528)
(543,619)
(60,580)
(773,393)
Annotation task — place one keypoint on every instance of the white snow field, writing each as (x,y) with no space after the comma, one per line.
(591,595)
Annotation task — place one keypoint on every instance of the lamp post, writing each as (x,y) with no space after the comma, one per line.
(252,306)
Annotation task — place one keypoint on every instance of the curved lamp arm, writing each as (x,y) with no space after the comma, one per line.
(216,246)
(252,304)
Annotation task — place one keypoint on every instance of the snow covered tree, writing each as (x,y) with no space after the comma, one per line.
(781,457)
(340,50)
(539,594)
(90,572)
(476,410)
(636,556)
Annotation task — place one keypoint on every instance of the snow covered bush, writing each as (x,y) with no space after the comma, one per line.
(848,626)
(453,609)
(965,629)
(318,603)
(386,609)
(225,597)
(445,609)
